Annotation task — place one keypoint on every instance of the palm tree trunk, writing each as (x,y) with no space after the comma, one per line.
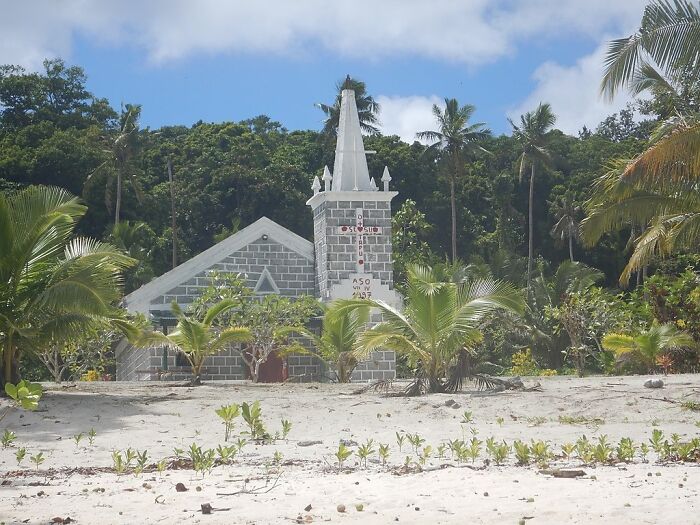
(571,248)
(118,206)
(453,203)
(530,228)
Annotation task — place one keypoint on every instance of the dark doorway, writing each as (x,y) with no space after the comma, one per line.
(274,370)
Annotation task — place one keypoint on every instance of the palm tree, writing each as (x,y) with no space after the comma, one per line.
(532,134)
(566,229)
(649,345)
(439,321)
(120,161)
(657,191)
(669,36)
(197,339)
(367,108)
(339,335)
(51,286)
(459,141)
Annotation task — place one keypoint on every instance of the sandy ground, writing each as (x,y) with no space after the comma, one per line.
(161,416)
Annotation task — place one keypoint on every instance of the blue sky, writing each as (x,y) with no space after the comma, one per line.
(212,60)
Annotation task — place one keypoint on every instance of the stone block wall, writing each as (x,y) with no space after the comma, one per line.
(292,273)
(335,253)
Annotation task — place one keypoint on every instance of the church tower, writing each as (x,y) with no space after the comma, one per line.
(352,231)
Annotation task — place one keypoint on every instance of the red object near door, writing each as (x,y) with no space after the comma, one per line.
(274,370)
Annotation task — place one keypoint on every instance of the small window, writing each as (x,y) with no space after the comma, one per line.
(266,284)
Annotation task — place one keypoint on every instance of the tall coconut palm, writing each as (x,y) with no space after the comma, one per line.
(649,345)
(533,136)
(197,339)
(458,141)
(367,108)
(439,321)
(566,229)
(119,166)
(339,335)
(51,284)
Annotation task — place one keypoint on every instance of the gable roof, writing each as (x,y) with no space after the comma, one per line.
(139,300)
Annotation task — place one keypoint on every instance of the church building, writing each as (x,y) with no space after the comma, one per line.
(350,256)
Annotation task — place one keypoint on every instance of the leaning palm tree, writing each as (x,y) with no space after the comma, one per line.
(566,229)
(657,191)
(532,134)
(439,321)
(459,141)
(196,339)
(367,108)
(339,335)
(119,165)
(51,284)
(646,347)
(669,36)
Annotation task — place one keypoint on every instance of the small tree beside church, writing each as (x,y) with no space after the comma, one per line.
(272,321)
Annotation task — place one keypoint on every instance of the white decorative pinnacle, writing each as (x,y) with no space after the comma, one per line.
(386,178)
(316,186)
(327,179)
(350,171)
(373,184)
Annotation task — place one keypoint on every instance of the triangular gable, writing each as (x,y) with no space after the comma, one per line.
(266,284)
(139,300)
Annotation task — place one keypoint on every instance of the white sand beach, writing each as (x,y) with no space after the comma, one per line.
(74,482)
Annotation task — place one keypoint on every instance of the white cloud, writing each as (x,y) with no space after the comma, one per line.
(573,92)
(468,31)
(406,116)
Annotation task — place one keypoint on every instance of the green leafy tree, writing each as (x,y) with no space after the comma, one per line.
(409,233)
(439,321)
(533,136)
(459,141)
(50,285)
(197,340)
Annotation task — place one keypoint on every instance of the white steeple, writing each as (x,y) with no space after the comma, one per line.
(350,171)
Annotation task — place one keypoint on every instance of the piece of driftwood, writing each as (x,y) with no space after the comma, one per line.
(562,473)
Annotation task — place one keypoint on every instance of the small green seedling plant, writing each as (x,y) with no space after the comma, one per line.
(625,450)
(202,460)
(161,466)
(400,438)
(342,454)
(474,449)
(252,415)
(118,462)
(441,450)
(228,413)
(141,462)
(522,452)
(277,457)
(37,459)
(384,453)
(24,394)
(425,455)
(497,451)
(541,452)
(91,436)
(286,428)
(364,451)
(78,438)
(20,455)
(602,451)
(226,453)
(416,442)
(8,437)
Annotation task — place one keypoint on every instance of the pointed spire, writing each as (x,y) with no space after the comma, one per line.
(350,171)
(373,184)
(327,179)
(316,185)
(386,178)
